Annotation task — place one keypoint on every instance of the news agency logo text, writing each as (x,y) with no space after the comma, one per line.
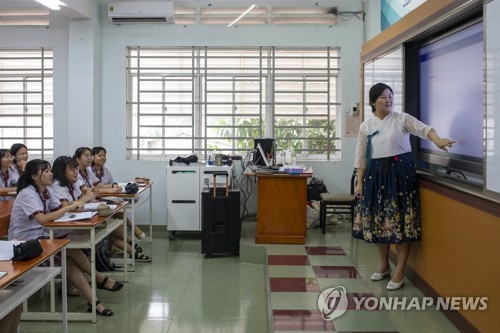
(333,303)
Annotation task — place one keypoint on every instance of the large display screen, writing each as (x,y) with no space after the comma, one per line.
(452,91)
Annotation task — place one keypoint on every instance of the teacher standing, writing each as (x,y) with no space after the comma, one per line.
(388,211)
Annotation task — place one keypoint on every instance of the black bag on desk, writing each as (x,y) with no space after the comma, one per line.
(27,250)
(131,188)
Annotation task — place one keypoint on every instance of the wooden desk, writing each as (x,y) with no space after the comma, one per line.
(5,209)
(98,228)
(34,278)
(281,208)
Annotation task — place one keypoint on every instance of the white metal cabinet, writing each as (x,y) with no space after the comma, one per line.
(184,186)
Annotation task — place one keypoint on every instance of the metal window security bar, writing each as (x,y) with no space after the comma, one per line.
(26,99)
(200,99)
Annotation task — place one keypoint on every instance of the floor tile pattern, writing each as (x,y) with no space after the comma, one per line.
(183,292)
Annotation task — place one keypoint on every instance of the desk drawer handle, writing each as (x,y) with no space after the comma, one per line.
(184,201)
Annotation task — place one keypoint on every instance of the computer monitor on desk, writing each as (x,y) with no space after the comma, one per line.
(266,151)
(263,155)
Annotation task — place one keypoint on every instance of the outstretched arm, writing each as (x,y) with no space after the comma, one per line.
(441,143)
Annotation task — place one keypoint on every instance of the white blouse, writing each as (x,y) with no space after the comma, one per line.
(393,137)
(28,203)
(106,177)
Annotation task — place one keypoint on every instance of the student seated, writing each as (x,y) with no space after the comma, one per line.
(105,177)
(37,204)
(20,153)
(67,191)
(8,177)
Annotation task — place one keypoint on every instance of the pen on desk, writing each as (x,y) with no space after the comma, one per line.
(72,216)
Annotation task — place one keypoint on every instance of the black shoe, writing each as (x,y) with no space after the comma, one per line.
(116,286)
(106,312)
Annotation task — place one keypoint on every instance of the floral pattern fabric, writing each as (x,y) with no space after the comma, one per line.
(389,210)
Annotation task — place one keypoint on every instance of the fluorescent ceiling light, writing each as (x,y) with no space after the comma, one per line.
(239,17)
(52,4)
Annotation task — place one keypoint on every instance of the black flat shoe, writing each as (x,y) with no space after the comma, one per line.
(116,286)
(106,312)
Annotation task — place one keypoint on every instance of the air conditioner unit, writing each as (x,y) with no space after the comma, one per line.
(159,11)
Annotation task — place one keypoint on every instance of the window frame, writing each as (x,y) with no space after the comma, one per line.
(197,117)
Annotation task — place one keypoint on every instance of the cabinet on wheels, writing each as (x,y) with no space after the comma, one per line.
(184,186)
(183,199)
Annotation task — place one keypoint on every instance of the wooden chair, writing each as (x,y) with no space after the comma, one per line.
(337,203)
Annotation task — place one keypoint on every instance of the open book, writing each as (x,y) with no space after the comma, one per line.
(73,216)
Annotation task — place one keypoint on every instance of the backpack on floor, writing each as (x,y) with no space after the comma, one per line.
(103,261)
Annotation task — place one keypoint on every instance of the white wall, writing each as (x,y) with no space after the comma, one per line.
(90,84)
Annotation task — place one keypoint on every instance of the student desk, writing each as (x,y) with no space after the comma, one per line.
(11,295)
(281,208)
(145,194)
(97,228)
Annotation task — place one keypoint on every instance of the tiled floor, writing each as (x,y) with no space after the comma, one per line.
(183,292)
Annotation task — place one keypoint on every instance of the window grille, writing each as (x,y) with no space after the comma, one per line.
(200,99)
(26,100)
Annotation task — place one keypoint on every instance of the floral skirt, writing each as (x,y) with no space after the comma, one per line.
(389,210)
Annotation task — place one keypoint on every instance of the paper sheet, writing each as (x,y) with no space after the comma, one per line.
(73,216)
(6,249)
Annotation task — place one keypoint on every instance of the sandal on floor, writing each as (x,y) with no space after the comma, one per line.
(139,256)
(106,312)
(137,248)
(116,286)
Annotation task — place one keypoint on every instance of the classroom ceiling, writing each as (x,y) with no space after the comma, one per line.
(203,12)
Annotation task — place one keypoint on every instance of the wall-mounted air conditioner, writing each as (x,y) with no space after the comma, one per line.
(159,11)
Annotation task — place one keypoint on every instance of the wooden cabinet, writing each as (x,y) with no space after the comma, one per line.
(281,208)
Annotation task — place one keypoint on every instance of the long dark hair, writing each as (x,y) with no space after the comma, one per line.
(375,91)
(59,168)
(33,168)
(15,148)
(3,152)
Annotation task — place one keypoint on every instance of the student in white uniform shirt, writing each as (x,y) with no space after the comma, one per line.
(86,178)
(105,176)
(8,177)
(36,204)
(389,206)
(20,153)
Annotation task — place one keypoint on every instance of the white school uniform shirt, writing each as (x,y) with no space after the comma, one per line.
(66,193)
(393,137)
(106,177)
(10,181)
(90,180)
(16,171)
(27,205)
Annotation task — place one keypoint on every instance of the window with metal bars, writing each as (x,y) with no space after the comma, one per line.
(26,100)
(387,69)
(203,99)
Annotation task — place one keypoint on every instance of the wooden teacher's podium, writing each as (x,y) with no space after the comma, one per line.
(281,208)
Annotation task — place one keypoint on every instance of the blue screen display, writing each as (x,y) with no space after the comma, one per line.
(452,90)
